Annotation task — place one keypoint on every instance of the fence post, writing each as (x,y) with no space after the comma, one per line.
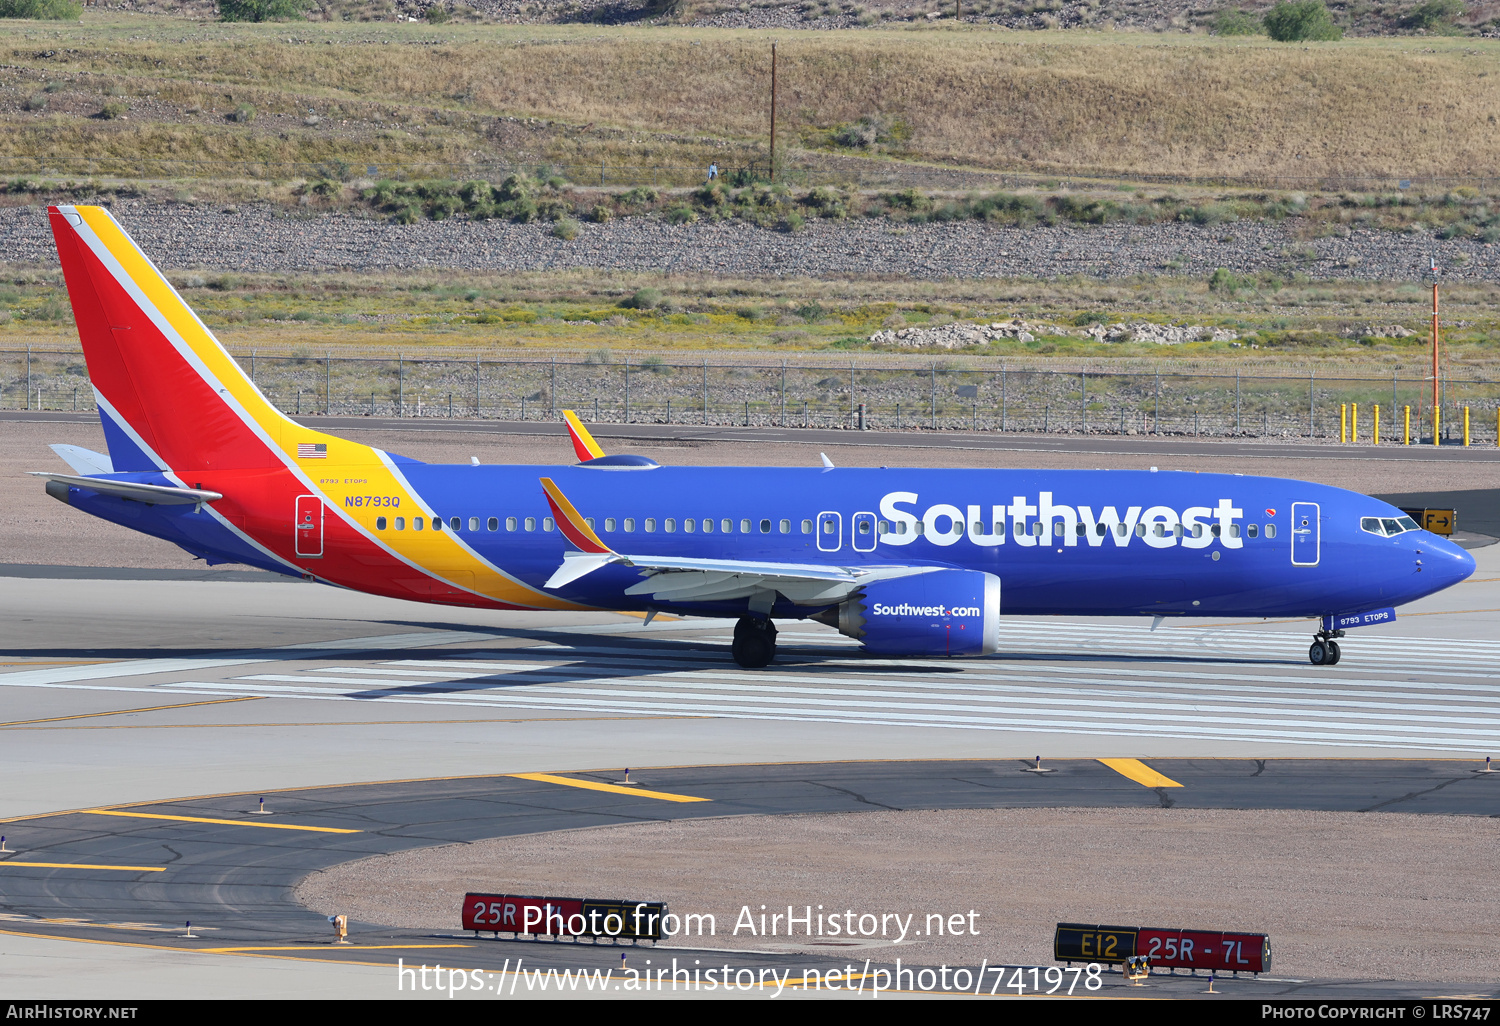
(28,377)
(401,386)
(934,396)
(1311,406)
(1375,432)
(552,392)
(1466,417)
(705,391)
(627,390)
(1002,399)
(783,393)
(1236,401)
(1406,431)
(327,382)
(1157,418)
(478,394)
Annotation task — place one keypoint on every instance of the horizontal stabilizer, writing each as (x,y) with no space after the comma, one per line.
(156,495)
(85,461)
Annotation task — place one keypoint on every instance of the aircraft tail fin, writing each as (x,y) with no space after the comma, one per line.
(169,395)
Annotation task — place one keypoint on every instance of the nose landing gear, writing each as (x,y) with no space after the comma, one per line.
(1325,651)
(754,643)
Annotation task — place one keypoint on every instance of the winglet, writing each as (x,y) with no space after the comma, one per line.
(583,442)
(573,526)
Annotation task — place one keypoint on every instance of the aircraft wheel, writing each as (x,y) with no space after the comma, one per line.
(1318,654)
(754,643)
(1334,653)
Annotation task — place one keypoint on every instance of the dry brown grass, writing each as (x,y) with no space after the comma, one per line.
(1133,103)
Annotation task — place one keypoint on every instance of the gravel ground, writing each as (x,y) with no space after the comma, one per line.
(263,238)
(39,530)
(1352,895)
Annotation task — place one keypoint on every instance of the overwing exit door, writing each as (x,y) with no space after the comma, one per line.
(309,527)
(1306,537)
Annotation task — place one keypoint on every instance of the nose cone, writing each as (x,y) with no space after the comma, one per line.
(1446,562)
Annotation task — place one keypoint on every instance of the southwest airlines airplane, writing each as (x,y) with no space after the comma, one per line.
(910,562)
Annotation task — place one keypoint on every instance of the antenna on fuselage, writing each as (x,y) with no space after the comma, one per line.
(827,463)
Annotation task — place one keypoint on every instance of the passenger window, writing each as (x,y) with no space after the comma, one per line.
(829,526)
(1099,530)
(786,527)
(1216,529)
(1160,530)
(1081,530)
(919,527)
(744,527)
(457,523)
(689,526)
(589,521)
(380,523)
(630,525)
(547,524)
(609,523)
(880,528)
(726,525)
(669,525)
(510,523)
(958,527)
(531,523)
(1177,530)
(807,527)
(1270,530)
(400,523)
(473,523)
(708,525)
(1234,530)
(999,527)
(765,527)
(1198,531)
(493,524)
(650,525)
(1140,530)
(437,523)
(1121,530)
(1252,530)
(417,523)
(1036,529)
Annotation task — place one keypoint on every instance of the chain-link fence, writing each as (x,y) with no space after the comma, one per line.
(849,395)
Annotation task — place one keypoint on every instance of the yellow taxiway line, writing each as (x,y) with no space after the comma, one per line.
(589,785)
(226,822)
(74,865)
(1138,771)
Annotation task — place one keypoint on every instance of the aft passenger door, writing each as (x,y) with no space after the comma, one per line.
(308,528)
(1306,537)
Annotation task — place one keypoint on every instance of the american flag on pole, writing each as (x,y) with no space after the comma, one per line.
(312,451)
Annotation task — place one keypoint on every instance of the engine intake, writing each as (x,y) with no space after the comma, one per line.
(939,613)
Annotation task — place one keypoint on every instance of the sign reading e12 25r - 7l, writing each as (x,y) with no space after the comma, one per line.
(1208,950)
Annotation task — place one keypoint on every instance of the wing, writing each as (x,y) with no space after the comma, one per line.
(682,579)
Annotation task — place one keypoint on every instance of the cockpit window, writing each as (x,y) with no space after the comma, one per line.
(1387,527)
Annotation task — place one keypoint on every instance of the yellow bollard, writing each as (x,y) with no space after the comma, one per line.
(1375,440)
(1406,434)
(1354,422)
(1437,425)
(1466,425)
(1343,422)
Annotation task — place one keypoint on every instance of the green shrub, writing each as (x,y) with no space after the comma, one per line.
(45,10)
(244,114)
(1433,14)
(35,102)
(600,213)
(1301,21)
(1235,23)
(114,110)
(681,214)
(565,228)
(261,10)
(644,299)
(437,14)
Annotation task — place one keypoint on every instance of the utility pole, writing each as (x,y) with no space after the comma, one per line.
(773,112)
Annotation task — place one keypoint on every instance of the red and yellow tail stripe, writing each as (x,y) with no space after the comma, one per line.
(570,523)
(583,442)
(166,376)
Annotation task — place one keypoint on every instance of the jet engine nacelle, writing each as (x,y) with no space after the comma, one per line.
(938,613)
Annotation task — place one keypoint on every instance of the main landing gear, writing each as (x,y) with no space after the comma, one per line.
(754,642)
(1325,651)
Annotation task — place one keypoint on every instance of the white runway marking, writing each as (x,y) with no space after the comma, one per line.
(1209,684)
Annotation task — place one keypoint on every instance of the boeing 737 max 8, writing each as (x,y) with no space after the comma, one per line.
(910,562)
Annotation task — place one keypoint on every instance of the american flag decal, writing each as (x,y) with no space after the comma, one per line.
(312,451)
